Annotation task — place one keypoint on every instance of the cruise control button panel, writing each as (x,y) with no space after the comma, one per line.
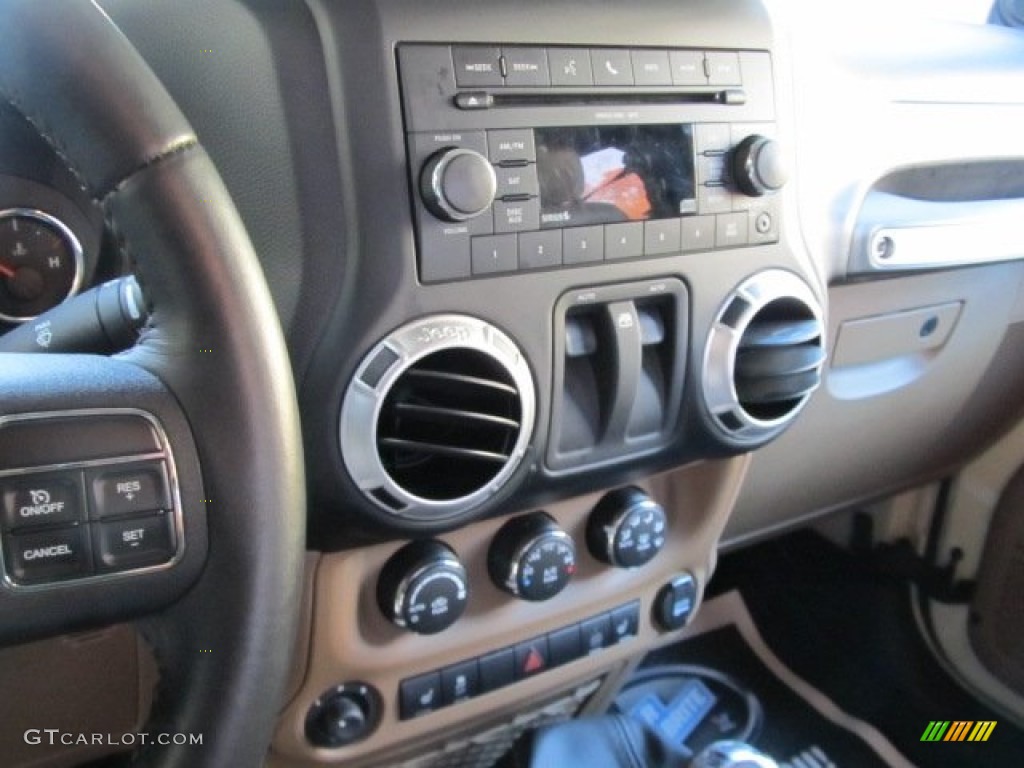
(92,518)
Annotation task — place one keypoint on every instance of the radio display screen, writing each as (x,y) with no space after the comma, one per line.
(607,174)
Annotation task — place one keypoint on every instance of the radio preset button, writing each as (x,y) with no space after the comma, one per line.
(511,146)
(612,66)
(661,237)
(624,241)
(723,68)
(538,250)
(477,65)
(496,253)
(517,180)
(516,216)
(526,67)
(651,68)
(688,68)
(581,245)
(570,66)
(698,233)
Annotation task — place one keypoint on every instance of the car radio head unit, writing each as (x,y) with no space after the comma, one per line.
(531,157)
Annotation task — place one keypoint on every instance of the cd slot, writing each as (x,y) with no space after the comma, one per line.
(634,97)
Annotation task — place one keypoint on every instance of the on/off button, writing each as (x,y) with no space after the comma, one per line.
(128,491)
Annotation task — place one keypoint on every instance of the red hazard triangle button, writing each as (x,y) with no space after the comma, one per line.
(531,657)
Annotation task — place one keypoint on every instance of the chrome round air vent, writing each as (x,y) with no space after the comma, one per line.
(764,357)
(437,417)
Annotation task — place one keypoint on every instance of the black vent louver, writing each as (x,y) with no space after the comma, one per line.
(449,424)
(779,359)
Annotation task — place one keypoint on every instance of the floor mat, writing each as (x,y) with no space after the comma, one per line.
(845,624)
(797,725)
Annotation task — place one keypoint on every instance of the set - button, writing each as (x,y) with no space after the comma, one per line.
(484,66)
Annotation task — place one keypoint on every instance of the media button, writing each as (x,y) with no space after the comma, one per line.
(688,68)
(570,66)
(511,146)
(723,68)
(516,215)
(517,180)
(477,65)
(612,66)
(731,230)
(651,68)
(526,67)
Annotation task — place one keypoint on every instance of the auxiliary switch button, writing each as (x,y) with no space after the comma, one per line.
(49,555)
(134,543)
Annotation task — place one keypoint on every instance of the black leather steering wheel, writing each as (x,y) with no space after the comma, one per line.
(211,366)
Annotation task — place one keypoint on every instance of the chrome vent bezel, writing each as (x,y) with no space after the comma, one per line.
(722,403)
(383,367)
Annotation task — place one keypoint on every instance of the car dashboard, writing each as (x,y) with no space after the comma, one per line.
(578,294)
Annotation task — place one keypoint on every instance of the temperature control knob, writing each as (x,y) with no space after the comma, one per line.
(626,528)
(532,557)
(423,587)
(458,184)
(758,167)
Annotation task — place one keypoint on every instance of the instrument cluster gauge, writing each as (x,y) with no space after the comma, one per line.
(41,263)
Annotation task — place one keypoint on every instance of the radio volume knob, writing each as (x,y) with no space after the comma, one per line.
(458,184)
(758,167)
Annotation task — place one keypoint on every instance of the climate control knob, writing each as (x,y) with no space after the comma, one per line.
(627,528)
(458,184)
(532,557)
(758,167)
(423,587)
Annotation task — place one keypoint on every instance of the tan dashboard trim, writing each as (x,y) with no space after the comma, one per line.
(350,640)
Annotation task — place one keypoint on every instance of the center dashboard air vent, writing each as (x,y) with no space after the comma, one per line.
(437,417)
(764,357)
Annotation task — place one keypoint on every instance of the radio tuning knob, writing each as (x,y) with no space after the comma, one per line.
(458,184)
(758,167)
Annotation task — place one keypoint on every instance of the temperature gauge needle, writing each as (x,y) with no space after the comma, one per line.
(6,271)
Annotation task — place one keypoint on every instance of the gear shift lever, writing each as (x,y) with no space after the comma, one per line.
(732,754)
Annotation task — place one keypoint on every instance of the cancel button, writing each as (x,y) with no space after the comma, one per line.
(47,555)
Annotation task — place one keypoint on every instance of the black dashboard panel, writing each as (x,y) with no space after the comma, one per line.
(381,95)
